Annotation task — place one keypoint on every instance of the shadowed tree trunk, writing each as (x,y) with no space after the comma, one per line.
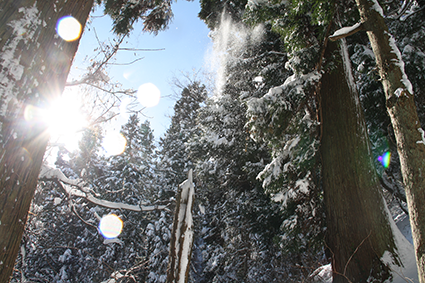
(402,111)
(359,231)
(34,65)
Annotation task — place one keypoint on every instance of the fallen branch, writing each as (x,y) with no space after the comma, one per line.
(74,187)
(346,31)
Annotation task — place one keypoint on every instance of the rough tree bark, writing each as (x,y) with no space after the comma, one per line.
(182,235)
(34,65)
(402,111)
(359,231)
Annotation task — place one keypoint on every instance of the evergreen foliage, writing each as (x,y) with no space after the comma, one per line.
(211,11)
(156,15)
(246,231)
(174,156)
(131,174)
(78,251)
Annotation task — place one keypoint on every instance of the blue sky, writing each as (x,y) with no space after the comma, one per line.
(186,42)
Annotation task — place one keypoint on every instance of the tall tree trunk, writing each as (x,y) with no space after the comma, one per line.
(402,111)
(34,65)
(359,231)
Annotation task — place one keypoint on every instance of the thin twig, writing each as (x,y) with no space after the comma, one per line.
(346,265)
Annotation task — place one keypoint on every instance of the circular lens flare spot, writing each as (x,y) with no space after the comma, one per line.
(148,95)
(110,226)
(68,28)
(114,143)
(30,113)
(385,159)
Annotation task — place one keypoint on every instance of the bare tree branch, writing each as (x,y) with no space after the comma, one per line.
(140,49)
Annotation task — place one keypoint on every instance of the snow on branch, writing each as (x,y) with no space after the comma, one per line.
(74,187)
(118,205)
(346,31)
(48,173)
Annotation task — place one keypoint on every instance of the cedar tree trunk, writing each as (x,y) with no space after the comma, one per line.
(359,231)
(34,65)
(402,111)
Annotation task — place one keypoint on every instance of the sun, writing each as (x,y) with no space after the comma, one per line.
(148,95)
(65,120)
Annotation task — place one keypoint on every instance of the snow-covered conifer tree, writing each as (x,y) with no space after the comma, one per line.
(309,56)
(174,155)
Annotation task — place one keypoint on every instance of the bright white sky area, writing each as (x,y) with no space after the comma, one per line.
(185,45)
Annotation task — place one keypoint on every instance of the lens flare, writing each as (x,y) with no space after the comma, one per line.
(114,143)
(110,226)
(148,95)
(385,159)
(68,28)
(31,113)
(64,116)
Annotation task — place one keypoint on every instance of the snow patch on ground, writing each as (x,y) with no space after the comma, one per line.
(406,253)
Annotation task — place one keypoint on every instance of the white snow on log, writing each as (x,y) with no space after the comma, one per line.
(399,92)
(118,205)
(74,187)
(399,63)
(422,136)
(114,205)
(377,8)
(345,31)
(53,173)
(189,189)
(182,238)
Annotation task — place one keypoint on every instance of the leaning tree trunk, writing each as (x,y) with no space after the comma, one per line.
(407,129)
(359,231)
(34,65)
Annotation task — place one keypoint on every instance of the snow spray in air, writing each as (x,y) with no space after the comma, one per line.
(230,39)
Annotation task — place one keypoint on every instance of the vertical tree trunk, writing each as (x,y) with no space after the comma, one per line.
(407,129)
(34,65)
(359,231)
(182,235)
